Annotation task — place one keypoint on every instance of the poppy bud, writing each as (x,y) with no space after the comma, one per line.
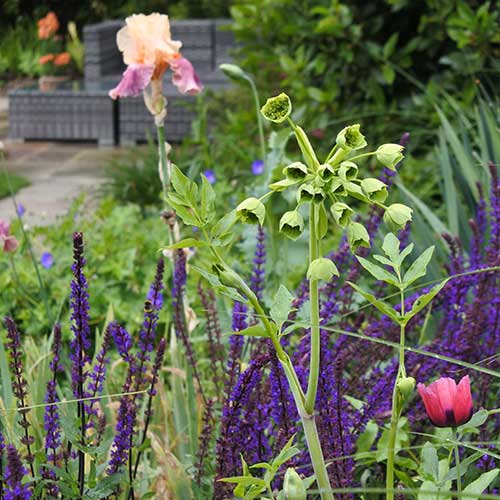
(406,386)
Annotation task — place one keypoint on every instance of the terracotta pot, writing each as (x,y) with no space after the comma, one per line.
(47,83)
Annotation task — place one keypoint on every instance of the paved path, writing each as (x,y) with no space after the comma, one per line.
(58,173)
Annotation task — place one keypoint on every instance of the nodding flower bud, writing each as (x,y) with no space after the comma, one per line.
(357,236)
(277,109)
(406,386)
(375,190)
(322,269)
(326,171)
(390,155)
(308,193)
(350,138)
(341,213)
(233,71)
(348,171)
(251,211)
(292,224)
(296,171)
(227,276)
(293,486)
(397,215)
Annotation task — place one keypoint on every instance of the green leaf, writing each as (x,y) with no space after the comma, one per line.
(390,246)
(207,200)
(244,480)
(186,243)
(481,483)
(418,267)
(478,419)
(321,221)
(379,273)
(430,462)
(423,300)
(214,281)
(282,306)
(252,331)
(367,438)
(381,306)
(184,186)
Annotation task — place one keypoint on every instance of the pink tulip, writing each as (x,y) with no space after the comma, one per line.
(9,242)
(185,77)
(447,404)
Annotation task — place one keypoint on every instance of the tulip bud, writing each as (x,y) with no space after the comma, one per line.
(322,269)
(277,109)
(348,171)
(296,171)
(251,211)
(293,486)
(351,138)
(397,215)
(390,155)
(406,386)
(357,236)
(341,213)
(233,71)
(292,224)
(308,193)
(375,190)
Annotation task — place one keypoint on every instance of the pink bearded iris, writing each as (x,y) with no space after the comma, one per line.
(148,50)
(7,242)
(447,404)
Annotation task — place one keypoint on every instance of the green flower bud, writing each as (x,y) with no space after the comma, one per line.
(322,269)
(326,172)
(341,213)
(375,190)
(357,236)
(350,138)
(337,187)
(397,215)
(293,486)
(406,386)
(390,155)
(227,276)
(233,71)
(277,109)
(251,211)
(348,171)
(296,171)
(282,185)
(292,224)
(308,193)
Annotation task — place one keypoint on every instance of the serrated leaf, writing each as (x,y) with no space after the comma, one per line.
(423,300)
(379,273)
(282,306)
(381,306)
(186,243)
(418,267)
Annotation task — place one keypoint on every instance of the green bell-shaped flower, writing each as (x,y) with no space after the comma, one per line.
(390,155)
(277,109)
(296,171)
(341,213)
(350,138)
(292,224)
(251,211)
(397,215)
(322,269)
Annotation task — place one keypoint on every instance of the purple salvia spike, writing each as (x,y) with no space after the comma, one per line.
(123,436)
(14,475)
(259,262)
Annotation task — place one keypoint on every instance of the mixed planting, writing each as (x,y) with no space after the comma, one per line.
(369,378)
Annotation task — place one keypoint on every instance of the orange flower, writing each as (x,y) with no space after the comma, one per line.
(48,26)
(62,59)
(46,58)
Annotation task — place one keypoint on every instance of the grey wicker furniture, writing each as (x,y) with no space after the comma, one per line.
(83,110)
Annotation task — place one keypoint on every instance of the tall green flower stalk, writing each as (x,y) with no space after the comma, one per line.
(324,188)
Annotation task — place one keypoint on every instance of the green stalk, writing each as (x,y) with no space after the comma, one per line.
(259,119)
(457,463)
(396,405)
(41,284)
(314,362)
(162,153)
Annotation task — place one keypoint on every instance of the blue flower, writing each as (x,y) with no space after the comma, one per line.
(47,260)
(20,209)
(257,167)
(210,176)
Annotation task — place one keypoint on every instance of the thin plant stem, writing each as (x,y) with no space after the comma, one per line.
(314,362)
(162,153)
(260,124)
(43,290)
(457,463)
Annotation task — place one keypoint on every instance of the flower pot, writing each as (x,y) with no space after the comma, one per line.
(47,83)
